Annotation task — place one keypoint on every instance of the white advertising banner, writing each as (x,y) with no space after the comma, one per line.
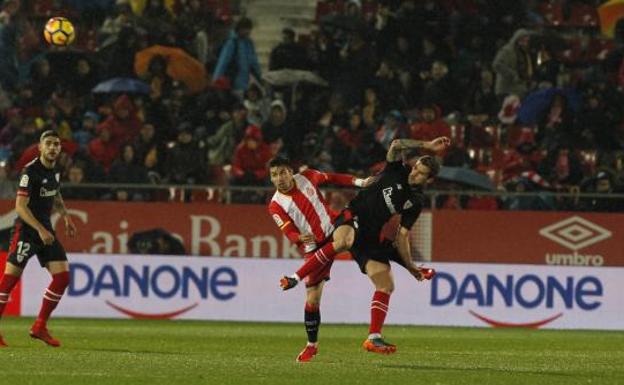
(241,289)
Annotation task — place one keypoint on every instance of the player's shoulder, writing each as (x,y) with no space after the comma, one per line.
(31,166)
(277,201)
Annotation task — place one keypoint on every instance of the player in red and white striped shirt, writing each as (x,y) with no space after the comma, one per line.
(303,215)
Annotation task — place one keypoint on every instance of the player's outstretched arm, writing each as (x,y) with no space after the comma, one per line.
(59,206)
(398,145)
(402,244)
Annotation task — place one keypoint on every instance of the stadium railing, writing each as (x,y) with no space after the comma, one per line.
(260,194)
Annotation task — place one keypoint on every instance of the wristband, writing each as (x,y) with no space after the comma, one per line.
(359,182)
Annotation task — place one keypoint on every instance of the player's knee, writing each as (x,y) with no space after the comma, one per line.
(387,288)
(313,298)
(344,243)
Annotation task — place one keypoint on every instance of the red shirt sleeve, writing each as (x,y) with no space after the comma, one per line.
(284,222)
(317,178)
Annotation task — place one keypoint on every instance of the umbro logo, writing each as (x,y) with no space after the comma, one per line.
(407,205)
(575,233)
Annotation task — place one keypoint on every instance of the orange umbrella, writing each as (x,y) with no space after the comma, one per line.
(610,12)
(180,65)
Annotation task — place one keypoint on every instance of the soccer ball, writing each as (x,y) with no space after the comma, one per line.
(59,31)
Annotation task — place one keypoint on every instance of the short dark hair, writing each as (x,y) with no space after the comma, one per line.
(432,163)
(49,134)
(279,161)
(244,23)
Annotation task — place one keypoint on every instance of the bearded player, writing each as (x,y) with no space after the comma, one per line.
(397,190)
(37,195)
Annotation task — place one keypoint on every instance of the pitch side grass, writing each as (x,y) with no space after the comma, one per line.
(193,352)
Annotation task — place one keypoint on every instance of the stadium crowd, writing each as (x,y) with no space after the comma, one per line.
(529,92)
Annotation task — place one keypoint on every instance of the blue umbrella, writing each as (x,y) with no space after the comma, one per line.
(466,176)
(122,85)
(534,104)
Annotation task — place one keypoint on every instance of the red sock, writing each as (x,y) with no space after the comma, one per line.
(379,309)
(7,284)
(53,295)
(318,260)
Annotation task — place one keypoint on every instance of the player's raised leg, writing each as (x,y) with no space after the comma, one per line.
(10,278)
(381,276)
(53,294)
(342,237)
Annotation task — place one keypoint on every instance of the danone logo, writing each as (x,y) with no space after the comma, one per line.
(550,295)
(575,233)
(164,282)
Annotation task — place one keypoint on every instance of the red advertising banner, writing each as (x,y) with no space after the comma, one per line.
(205,229)
(553,238)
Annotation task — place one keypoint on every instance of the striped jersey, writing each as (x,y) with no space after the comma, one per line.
(304,210)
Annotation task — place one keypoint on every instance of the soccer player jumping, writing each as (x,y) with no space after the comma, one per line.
(38,193)
(301,212)
(398,190)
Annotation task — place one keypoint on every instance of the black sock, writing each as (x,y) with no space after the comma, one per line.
(312,317)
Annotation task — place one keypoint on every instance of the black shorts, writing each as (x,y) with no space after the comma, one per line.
(369,245)
(25,242)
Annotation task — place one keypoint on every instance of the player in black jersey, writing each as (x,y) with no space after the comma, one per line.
(398,190)
(38,194)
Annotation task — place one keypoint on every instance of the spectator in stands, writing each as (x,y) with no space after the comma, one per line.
(124,50)
(102,149)
(257,105)
(249,165)
(150,151)
(28,135)
(388,85)
(185,160)
(430,124)
(275,127)
(160,82)
(348,140)
(43,80)
(323,55)
(372,111)
(12,128)
(237,59)
(557,124)
(288,54)
(53,119)
(357,64)
(482,100)
(123,124)
(393,128)
(514,65)
(8,187)
(220,146)
(528,183)
(438,87)
(602,183)
(114,23)
(87,130)
(84,78)
(562,167)
(127,170)
(76,175)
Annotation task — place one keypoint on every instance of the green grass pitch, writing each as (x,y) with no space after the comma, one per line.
(221,353)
